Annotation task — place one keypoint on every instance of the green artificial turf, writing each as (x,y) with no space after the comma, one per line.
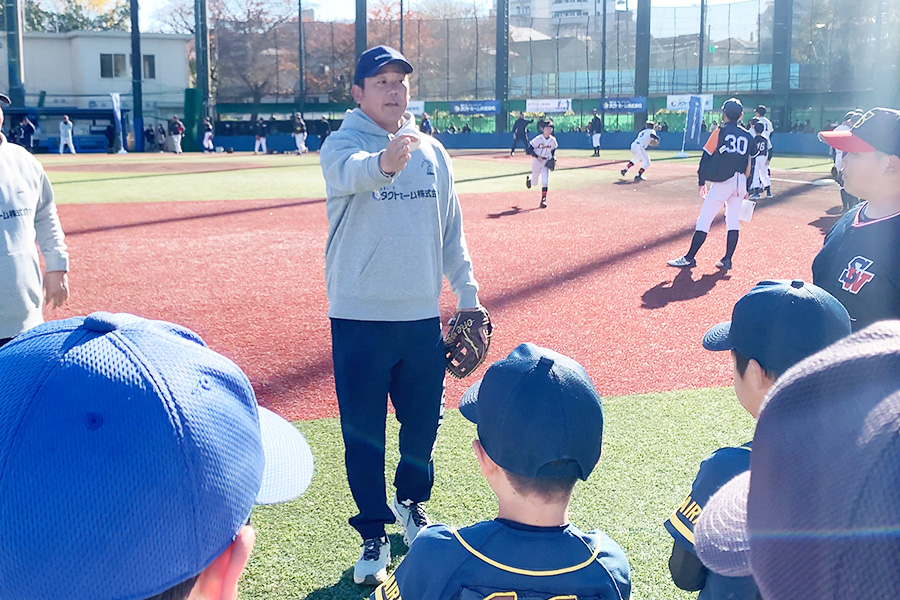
(652,448)
(114,178)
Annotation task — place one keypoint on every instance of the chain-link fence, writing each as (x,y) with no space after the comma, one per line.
(837,46)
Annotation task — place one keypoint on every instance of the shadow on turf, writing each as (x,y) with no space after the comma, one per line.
(513,210)
(345,589)
(211,215)
(826,222)
(682,288)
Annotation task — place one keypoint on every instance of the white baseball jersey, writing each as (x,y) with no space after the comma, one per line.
(644,137)
(769,129)
(544,146)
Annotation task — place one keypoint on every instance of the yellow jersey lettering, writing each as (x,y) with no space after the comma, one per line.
(572,597)
(693,513)
(687,502)
(389,590)
(502,596)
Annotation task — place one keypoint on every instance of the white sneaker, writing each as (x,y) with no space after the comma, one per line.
(371,568)
(411,517)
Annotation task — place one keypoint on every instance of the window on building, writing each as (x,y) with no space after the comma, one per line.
(149,66)
(113,65)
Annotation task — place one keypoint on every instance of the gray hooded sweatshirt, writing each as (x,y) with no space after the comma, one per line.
(390,240)
(27,213)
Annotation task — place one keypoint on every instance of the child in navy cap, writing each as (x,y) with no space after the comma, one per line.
(774,326)
(818,514)
(131,456)
(540,424)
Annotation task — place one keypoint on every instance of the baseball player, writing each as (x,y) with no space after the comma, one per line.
(646,138)
(208,136)
(540,424)
(726,163)
(773,327)
(860,260)
(65,135)
(768,128)
(848,200)
(519,133)
(261,129)
(542,148)
(595,129)
(759,160)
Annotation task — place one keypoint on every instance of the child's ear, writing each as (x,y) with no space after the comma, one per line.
(758,377)
(484,461)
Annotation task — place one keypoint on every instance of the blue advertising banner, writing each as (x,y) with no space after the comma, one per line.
(694,119)
(625,105)
(477,107)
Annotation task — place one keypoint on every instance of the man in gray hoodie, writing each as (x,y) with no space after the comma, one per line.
(27,214)
(395,230)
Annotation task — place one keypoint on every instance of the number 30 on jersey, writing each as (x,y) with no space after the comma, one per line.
(734,145)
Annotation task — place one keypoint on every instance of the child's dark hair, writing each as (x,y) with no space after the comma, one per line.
(741,363)
(552,489)
(759,127)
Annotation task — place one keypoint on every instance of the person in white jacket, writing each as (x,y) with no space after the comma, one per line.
(395,230)
(65,135)
(27,214)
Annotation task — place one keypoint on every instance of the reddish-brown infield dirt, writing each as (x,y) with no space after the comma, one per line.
(586,277)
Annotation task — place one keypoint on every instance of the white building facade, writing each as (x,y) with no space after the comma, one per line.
(80,69)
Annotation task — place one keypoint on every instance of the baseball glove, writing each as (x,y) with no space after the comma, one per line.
(467,341)
(551,163)
(654,142)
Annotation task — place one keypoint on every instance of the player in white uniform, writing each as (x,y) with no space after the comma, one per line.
(768,128)
(647,137)
(65,135)
(542,148)
(848,200)
(759,154)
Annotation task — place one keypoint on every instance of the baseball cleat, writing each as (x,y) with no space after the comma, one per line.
(724,264)
(623,171)
(411,517)
(639,178)
(682,262)
(753,197)
(528,182)
(543,203)
(371,568)
(769,196)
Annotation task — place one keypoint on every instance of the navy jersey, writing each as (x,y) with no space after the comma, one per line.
(726,152)
(499,557)
(717,470)
(859,264)
(760,146)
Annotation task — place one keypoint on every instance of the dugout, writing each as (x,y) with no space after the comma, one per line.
(90,126)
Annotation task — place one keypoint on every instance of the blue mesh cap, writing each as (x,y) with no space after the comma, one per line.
(779,323)
(130,457)
(538,414)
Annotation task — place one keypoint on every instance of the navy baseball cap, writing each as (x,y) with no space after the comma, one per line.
(779,323)
(131,455)
(374,59)
(878,130)
(818,516)
(4,99)
(538,414)
(733,109)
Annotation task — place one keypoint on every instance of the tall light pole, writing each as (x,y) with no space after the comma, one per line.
(301,84)
(401,26)
(137,68)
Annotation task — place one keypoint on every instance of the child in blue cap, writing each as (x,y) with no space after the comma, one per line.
(540,425)
(131,456)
